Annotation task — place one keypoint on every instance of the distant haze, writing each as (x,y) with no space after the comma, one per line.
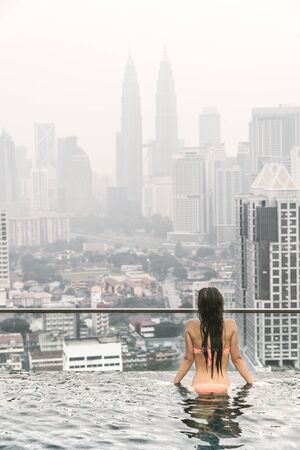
(62,61)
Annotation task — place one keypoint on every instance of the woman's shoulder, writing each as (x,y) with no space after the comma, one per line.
(193,322)
(190,323)
(231,323)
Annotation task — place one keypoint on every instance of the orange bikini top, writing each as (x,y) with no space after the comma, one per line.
(199,350)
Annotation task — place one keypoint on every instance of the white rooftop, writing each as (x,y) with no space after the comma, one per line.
(81,342)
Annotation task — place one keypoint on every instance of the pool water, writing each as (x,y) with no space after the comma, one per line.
(143,410)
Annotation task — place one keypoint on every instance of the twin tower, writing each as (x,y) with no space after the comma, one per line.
(129,156)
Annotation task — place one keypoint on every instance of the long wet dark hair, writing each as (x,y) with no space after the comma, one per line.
(210,311)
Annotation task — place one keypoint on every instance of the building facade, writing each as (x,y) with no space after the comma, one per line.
(129,166)
(228,186)
(268,276)
(61,325)
(91,355)
(189,195)
(166,143)
(73,164)
(36,231)
(244,162)
(4,258)
(100,322)
(273,134)
(158,197)
(9,186)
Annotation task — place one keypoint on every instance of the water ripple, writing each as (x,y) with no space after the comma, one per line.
(145,411)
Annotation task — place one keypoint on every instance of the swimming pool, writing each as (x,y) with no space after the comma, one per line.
(142,410)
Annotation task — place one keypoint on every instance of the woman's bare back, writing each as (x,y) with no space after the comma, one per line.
(203,374)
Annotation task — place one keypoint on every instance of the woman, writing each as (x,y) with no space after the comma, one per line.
(209,342)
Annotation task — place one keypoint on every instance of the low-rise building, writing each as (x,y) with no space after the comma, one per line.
(39,361)
(136,283)
(91,355)
(11,362)
(145,327)
(49,342)
(25,299)
(11,350)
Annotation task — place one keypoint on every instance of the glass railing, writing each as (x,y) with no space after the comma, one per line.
(135,339)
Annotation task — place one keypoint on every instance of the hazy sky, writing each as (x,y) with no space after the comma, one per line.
(62,61)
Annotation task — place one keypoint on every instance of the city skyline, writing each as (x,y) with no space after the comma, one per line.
(86,102)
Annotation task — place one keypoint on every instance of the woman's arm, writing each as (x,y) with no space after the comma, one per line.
(188,359)
(236,357)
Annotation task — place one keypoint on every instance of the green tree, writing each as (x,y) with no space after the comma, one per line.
(40,270)
(167,329)
(15,325)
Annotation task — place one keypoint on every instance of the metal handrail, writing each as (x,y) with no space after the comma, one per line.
(144,310)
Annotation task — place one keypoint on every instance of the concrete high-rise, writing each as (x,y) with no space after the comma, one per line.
(73,164)
(166,142)
(8,172)
(244,161)
(24,167)
(189,193)
(268,276)
(45,159)
(209,127)
(273,134)
(129,166)
(45,144)
(4,259)
(228,186)
(158,197)
(214,156)
(40,197)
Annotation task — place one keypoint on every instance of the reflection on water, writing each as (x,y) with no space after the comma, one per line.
(214,417)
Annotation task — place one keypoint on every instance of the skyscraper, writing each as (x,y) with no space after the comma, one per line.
(40,197)
(44,142)
(244,161)
(4,260)
(166,133)
(189,193)
(129,167)
(209,127)
(158,197)
(268,255)
(228,186)
(24,166)
(273,134)
(74,177)
(214,156)
(8,172)
(45,155)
